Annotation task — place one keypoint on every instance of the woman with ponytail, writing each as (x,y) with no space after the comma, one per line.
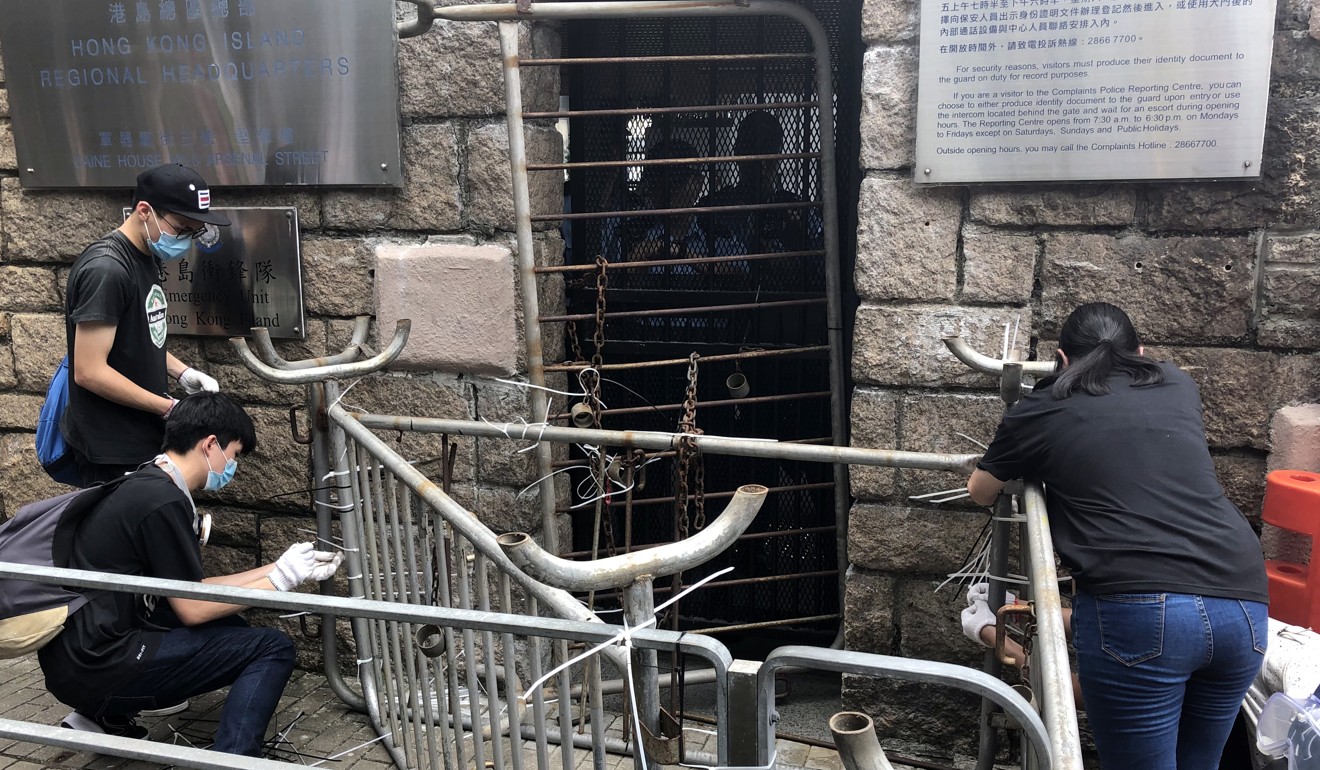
(1169,618)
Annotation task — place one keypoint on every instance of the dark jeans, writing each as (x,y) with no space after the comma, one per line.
(1163,675)
(255,663)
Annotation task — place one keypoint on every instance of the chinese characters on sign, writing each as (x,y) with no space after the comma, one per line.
(237,277)
(1041,90)
(248,92)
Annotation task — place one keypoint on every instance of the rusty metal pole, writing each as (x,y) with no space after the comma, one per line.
(522,213)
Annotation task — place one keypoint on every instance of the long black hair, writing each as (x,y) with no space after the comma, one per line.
(1099,340)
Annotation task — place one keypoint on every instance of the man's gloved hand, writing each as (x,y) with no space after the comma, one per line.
(194,381)
(293,568)
(975,617)
(981,592)
(326,562)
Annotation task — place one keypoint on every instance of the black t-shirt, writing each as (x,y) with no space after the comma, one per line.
(145,527)
(1134,503)
(113,281)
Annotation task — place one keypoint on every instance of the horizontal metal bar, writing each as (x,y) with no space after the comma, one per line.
(695,108)
(755,580)
(655,440)
(706,404)
(765,624)
(700,160)
(744,356)
(373,609)
(650,263)
(676,59)
(682,311)
(156,752)
(648,501)
(743,208)
(744,536)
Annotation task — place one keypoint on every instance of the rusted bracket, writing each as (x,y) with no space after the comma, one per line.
(1027,610)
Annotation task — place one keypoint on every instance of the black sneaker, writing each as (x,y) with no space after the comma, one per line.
(124,727)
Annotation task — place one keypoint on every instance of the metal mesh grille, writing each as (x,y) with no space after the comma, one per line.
(747,91)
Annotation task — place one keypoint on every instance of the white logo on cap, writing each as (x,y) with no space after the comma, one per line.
(203,199)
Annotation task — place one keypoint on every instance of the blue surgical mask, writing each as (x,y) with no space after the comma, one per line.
(215,481)
(167,248)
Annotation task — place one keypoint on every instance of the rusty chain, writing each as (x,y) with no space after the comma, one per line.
(687,451)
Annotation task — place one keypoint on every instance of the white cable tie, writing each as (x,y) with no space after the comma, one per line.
(341,508)
(364,661)
(358,576)
(518,384)
(295,615)
(327,476)
(349,751)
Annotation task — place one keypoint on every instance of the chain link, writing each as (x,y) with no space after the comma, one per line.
(687,451)
(602,282)
(574,342)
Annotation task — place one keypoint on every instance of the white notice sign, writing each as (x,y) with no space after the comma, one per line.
(1068,90)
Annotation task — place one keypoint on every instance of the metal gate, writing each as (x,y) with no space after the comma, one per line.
(703,286)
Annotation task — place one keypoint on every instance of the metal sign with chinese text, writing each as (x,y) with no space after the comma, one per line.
(1072,90)
(247,92)
(237,277)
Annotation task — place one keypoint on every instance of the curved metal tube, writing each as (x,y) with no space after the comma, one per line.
(425,17)
(266,351)
(912,670)
(854,737)
(318,373)
(622,570)
(983,363)
(656,441)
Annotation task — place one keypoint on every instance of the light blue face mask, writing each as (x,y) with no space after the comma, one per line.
(215,481)
(167,248)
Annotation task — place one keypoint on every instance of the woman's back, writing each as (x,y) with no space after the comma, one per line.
(1134,502)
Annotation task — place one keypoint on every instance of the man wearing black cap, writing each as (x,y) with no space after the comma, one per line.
(114,320)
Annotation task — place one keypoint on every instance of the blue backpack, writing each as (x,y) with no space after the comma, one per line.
(52,452)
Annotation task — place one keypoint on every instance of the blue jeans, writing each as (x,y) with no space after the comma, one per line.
(255,663)
(1163,675)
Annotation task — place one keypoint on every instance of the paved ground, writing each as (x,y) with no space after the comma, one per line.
(316,729)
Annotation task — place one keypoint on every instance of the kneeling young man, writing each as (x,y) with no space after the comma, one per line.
(123,653)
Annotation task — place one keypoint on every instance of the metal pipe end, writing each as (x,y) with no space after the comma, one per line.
(511,540)
(753,490)
(851,723)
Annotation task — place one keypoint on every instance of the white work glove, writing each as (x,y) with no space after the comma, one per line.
(293,568)
(980,592)
(326,562)
(194,381)
(976,617)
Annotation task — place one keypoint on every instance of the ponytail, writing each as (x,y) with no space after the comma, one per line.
(1100,341)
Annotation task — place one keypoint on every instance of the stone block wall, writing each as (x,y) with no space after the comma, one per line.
(1221,278)
(456,189)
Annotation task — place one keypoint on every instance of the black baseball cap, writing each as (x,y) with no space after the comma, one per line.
(175,187)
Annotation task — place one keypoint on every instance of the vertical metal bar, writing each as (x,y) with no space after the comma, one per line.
(351,529)
(565,707)
(375,568)
(1001,530)
(470,656)
(421,535)
(512,691)
(538,697)
(597,714)
(418,692)
(639,607)
(522,212)
(322,484)
(455,718)
(742,742)
(1051,649)
(386,506)
(492,680)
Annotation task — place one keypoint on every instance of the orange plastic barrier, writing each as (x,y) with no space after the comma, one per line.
(1292,502)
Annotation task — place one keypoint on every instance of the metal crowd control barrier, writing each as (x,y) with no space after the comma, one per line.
(446,711)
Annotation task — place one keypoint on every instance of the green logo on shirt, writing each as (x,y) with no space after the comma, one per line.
(155,307)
